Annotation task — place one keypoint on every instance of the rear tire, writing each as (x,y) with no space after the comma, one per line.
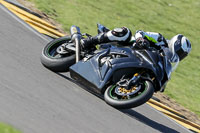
(135,101)
(57,64)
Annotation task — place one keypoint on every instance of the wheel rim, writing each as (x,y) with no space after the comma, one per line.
(128,96)
(52,50)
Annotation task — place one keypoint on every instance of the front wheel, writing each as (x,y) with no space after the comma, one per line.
(122,98)
(55,60)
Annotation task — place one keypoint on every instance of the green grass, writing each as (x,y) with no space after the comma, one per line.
(168,17)
(7,129)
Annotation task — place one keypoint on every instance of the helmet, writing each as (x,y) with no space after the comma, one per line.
(179,45)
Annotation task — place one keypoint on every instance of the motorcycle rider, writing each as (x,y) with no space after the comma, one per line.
(178,45)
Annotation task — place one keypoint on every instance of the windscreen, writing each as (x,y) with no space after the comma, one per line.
(172,57)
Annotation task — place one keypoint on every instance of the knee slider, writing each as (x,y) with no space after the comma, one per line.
(119,34)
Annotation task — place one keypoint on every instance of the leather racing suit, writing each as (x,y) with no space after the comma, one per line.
(124,37)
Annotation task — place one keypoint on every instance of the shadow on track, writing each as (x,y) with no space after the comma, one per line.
(131,113)
(149,122)
(82,86)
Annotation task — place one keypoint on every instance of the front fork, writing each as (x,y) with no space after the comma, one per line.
(133,81)
(129,83)
(137,77)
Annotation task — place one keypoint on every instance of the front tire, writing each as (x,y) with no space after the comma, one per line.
(138,99)
(54,61)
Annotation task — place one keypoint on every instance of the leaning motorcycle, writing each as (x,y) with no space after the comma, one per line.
(127,77)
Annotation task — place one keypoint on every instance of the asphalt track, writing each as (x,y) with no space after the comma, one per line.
(36,100)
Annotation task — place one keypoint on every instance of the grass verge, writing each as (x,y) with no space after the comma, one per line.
(4,128)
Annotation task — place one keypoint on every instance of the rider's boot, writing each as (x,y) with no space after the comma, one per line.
(92,41)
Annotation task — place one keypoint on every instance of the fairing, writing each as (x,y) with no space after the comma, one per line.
(97,71)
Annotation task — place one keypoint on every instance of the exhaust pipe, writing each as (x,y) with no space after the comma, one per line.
(76,37)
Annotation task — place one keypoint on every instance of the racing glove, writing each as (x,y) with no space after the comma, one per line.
(142,43)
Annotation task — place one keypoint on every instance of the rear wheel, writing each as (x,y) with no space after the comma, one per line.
(122,98)
(54,58)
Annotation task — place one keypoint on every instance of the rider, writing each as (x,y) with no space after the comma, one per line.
(179,44)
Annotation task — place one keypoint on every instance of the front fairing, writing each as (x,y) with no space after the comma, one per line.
(98,69)
(171,61)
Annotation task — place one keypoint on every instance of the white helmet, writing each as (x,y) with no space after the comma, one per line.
(179,45)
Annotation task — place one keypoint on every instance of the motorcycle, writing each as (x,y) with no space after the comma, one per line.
(127,77)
